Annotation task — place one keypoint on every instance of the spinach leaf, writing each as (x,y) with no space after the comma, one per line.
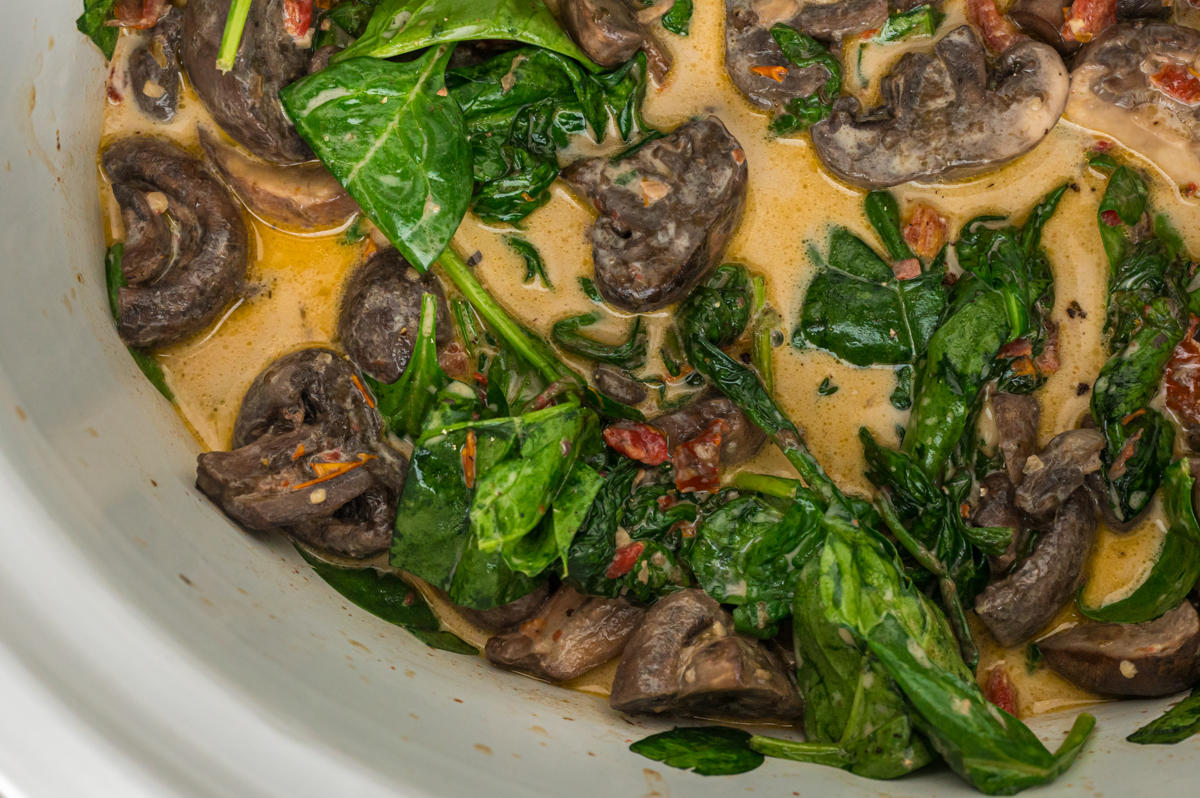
(395,141)
(1176,568)
(801,113)
(630,355)
(115,280)
(404,26)
(884,215)
(347,21)
(654,516)
(706,750)
(535,267)
(827,388)
(850,701)
(679,18)
(765,321)
(1121,208)
(748,553)
(588,286)
(523,106)
(866,593)
(391,598)
(829,754)
(404,403)
(856,309)
(93,23)
(1178,724)
(920,21)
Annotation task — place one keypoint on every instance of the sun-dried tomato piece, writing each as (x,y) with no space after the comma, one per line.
(297,17)
(1086,18)
(925,232)
(1000,690)
(139,14)
(624,560)
(998,30)
(638,441)
(1183,378)
(698,461)
(1177,82)
(906,269)
(1017,348)
(1047,362)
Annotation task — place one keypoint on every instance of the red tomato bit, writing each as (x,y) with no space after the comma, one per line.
(926,232)
(998,31)
(1177,82)
(1000,690)
(638,441)
(1110,218)
(624,560)
(297,17)
(698,461)
(1086,18)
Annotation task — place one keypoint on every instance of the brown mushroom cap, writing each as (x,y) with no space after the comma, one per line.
(940,117)
(1156,658)
(245,100)
(1058,471)
(666,213)
(309,457)
(181,275)
(1016,607)
(685,659)
(1017,419)
(570,634)
(154,69)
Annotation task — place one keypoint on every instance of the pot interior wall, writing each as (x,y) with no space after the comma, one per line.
(214,662)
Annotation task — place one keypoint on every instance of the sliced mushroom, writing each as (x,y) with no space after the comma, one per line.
(940,119)
(754,60)
(305,196)
(685,659)
(1132,83)
(1044,20)
(245,100)
(186,246)
(1059,470)
(841,19)
(1156,658)
(308,456)
(380,316)
(505,617)
(570,634)
(1017,418)
(616,384)
(997,508)
(1016,607)
(666,213)
(154,68)
(1129,10)
(610,33)
(742,441)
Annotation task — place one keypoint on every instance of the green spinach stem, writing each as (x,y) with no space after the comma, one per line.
(235,24)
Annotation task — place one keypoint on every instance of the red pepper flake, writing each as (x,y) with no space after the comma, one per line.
(1118,467)
(624,560)
(775,73)
(638,441)
(328,471)
(1000,691)
(557,634)
(964,510)
(296,455)
(366,395)
(1086,18)
(468,459)
(698,461)
(297,17)
(1132,416)
(526,196)
(1023,366)
(1177,82)
(1104,145)
(410,599)
(481,379)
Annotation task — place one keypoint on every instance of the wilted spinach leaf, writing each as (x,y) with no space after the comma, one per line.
(630,355)
(900,25)
(706,750)
(397,144)
(679,18)
(856,309)
(884,215)
(93,24)
(1178,724)
(404,403)
(347,21)
(1121,208)
(115,280)
(801,113)
(391,598)
(405,26)
(535,267)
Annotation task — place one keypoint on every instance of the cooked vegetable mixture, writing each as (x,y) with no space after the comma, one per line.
(823,364)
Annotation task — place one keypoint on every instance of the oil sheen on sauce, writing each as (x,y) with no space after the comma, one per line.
(294,282)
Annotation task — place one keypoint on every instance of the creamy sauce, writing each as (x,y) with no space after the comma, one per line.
(294,283)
